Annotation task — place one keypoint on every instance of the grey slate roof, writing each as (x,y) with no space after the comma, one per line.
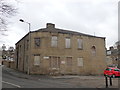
(56,30)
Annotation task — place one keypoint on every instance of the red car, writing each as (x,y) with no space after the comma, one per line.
(112,72)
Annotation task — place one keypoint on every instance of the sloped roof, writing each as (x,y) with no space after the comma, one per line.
(56,30)
(51,28)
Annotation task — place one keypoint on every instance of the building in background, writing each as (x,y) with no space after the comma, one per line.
(58,51)
(112,57)
(109,60)
(7,54)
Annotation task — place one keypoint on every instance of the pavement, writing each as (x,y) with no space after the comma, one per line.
(14,79)
(85,81)
(23,75)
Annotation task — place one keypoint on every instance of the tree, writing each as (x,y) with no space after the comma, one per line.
(6,11)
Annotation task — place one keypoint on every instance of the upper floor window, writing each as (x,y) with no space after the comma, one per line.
(93,50)
(20,48)
(37,42)
(54,41)
(80,43)
(67,43)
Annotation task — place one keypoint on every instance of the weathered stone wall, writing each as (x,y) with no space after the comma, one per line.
(6,63)
(10,64)
(91,64)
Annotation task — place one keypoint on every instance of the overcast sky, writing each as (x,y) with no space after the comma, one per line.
(99,17)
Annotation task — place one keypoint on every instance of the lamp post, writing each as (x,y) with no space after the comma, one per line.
(29,59)
(27,23)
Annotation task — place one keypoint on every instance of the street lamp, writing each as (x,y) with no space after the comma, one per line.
(21,20)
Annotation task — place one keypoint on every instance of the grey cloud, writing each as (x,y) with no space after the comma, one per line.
(86,17)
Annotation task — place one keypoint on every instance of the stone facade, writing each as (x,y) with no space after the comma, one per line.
(112,57)
(56,51)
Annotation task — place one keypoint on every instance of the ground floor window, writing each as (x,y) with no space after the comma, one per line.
(54,62)
(69,61)
(80,61)
(36,59)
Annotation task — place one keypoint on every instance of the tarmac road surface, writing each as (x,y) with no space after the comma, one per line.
(15,79)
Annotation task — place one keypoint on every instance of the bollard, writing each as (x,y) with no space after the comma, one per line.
(106,80)
(110,81)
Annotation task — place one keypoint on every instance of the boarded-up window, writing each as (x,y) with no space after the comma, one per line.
(69,61)
(54,41)
(67,43)
(54,62)
(80,61)
(36,59)
(37,42)
(93,50)
(80,43)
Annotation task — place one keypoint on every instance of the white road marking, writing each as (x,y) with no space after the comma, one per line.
(12,84)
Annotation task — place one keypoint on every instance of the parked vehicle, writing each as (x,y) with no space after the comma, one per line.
(112,72)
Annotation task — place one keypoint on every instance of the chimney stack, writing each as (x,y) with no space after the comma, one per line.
(111,48)
(50,25)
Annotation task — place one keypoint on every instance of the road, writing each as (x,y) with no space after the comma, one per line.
(15,79)
(20,80)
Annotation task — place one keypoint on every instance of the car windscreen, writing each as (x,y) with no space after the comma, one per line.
(108,69)
(116,70)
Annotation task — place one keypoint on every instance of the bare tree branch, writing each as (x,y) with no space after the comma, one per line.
(6,11)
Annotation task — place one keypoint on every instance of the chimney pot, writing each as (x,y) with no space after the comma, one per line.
(111,48)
